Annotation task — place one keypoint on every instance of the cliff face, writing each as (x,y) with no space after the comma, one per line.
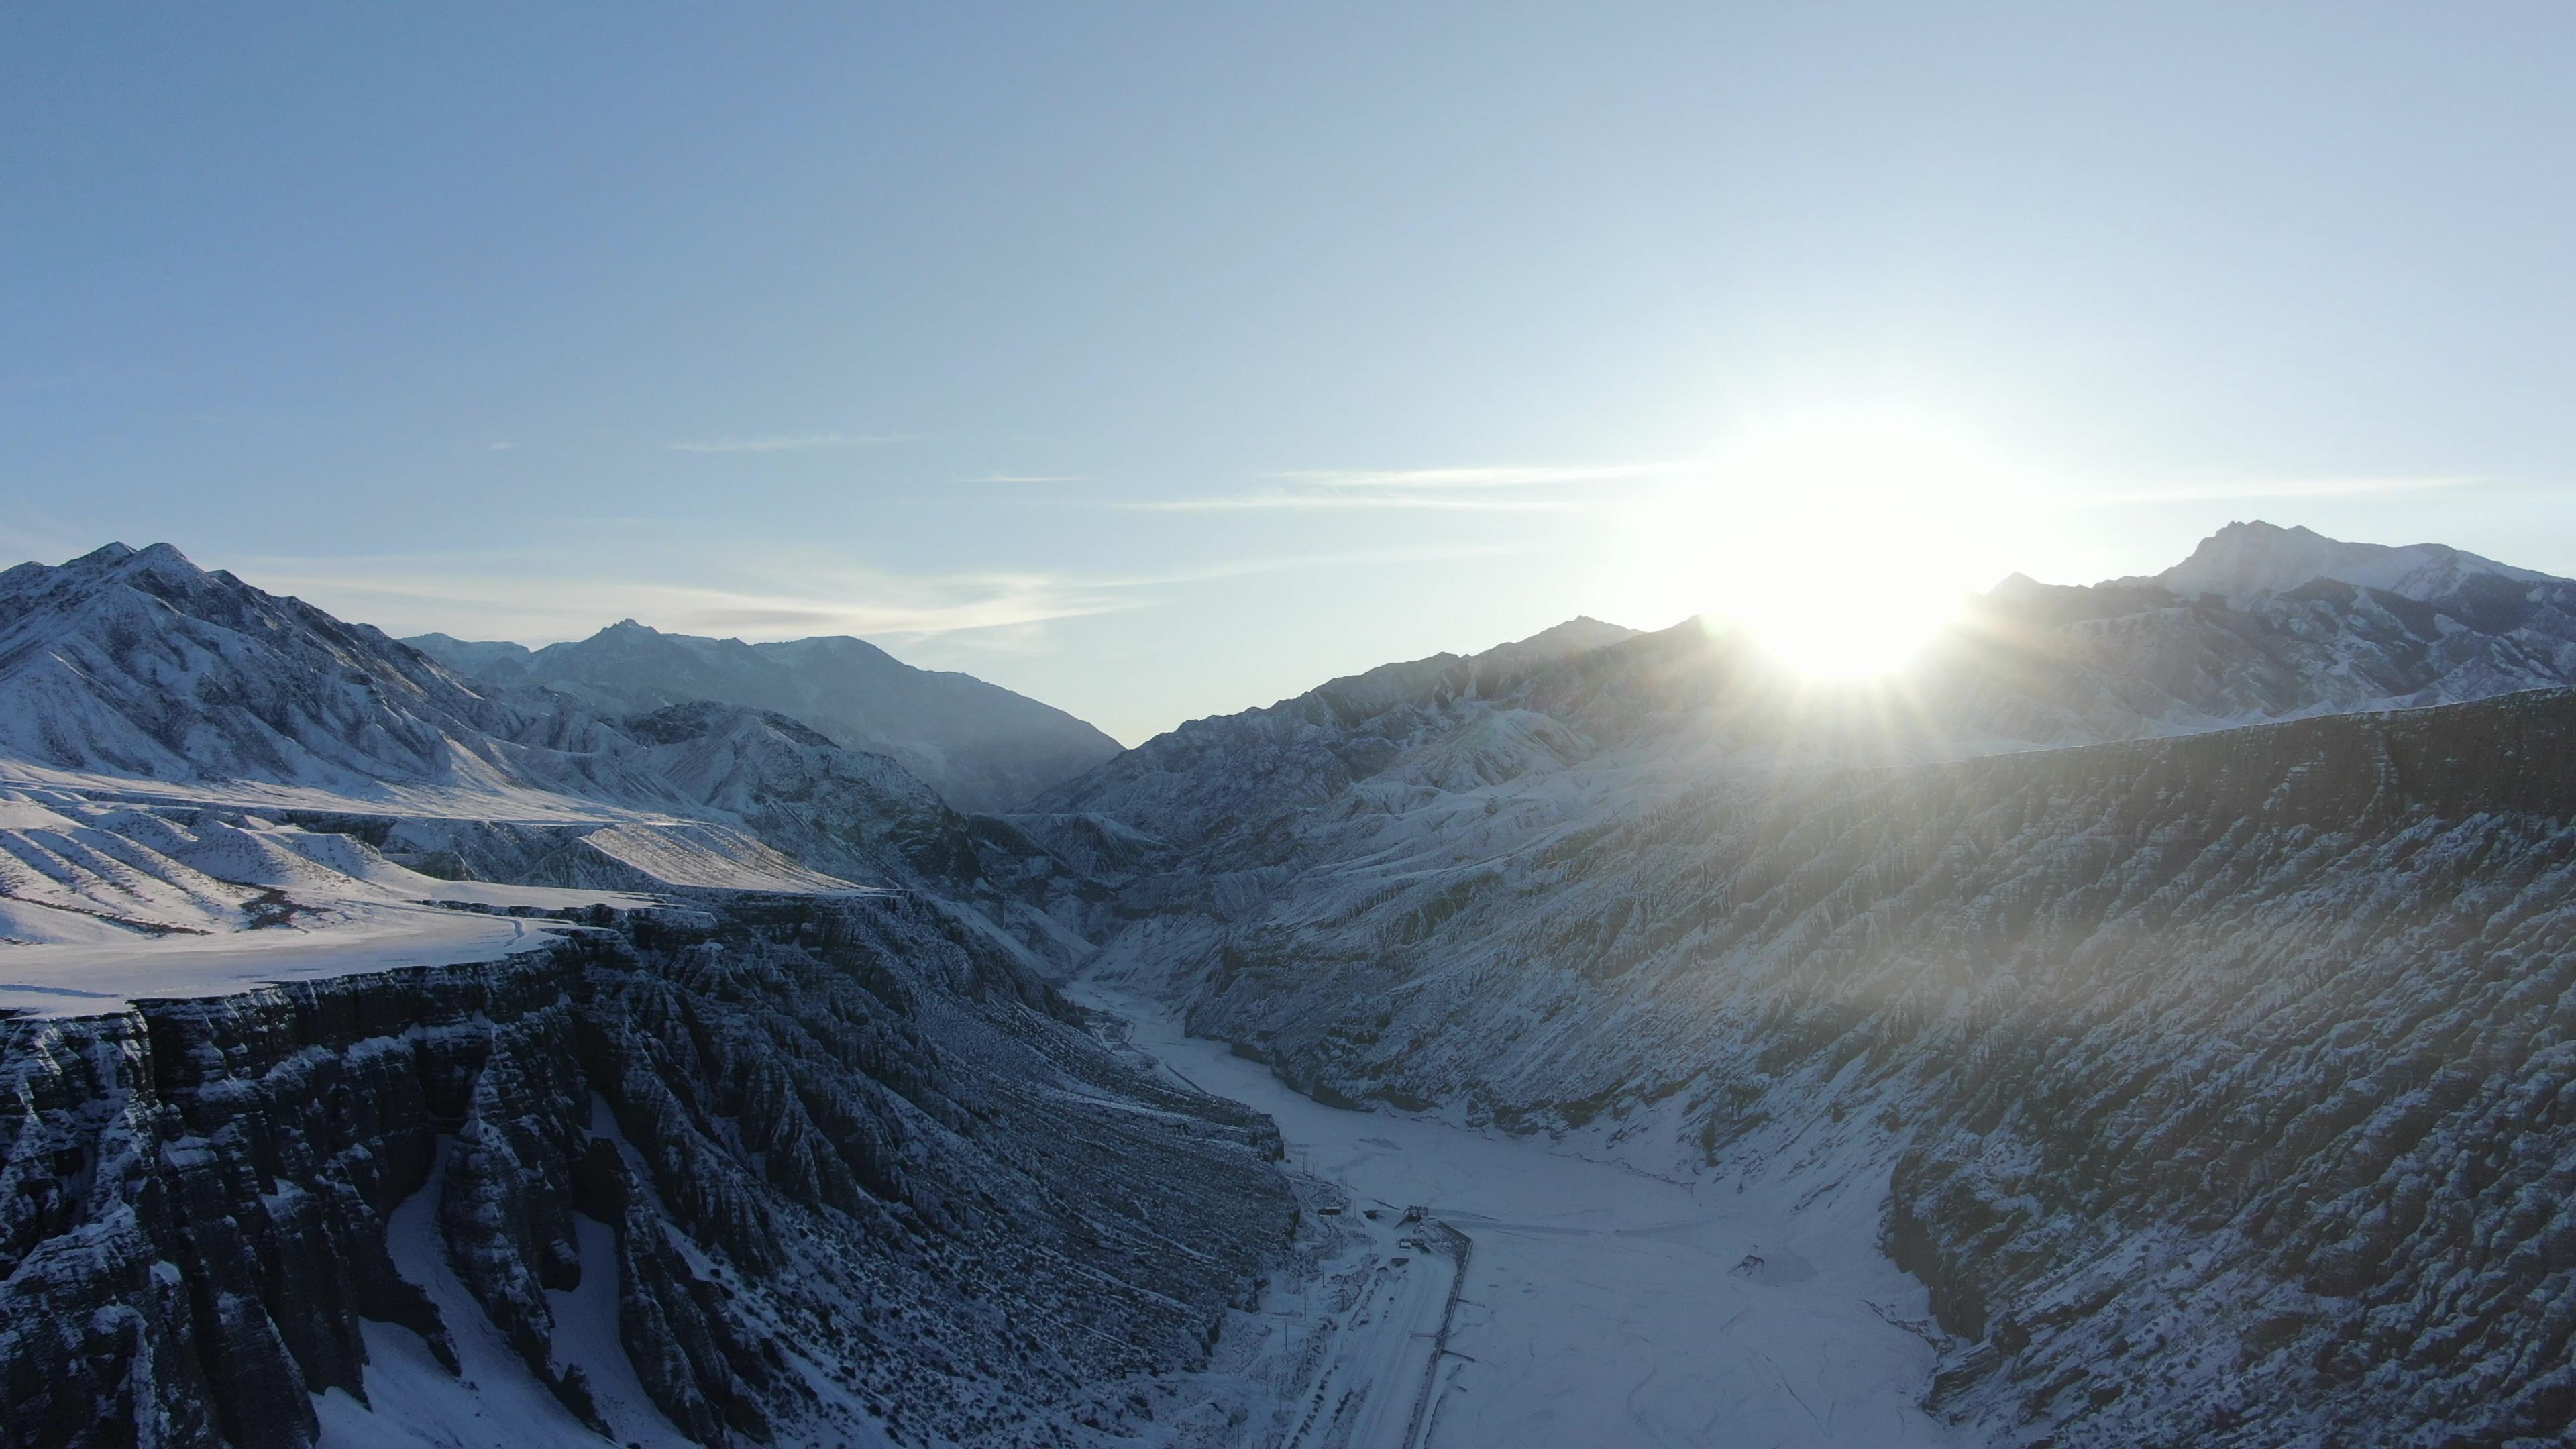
(847,1167)
(2219,1086)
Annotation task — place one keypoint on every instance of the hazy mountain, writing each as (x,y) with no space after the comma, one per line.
(469,656)
(980,745)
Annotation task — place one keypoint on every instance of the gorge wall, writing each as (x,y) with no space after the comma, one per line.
(860,1170)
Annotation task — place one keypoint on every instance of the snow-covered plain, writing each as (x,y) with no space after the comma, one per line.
(84,979)
(1605,1305)
(102,903)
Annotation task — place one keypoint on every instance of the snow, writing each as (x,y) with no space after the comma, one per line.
(710,857)
(1602,1305)
(481,802)
(586,1335)
(1377,1319)
(86,978)
(494,1402)
(104,903)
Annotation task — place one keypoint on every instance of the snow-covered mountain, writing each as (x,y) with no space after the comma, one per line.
(981,746)
(2213,1083)
(387,1058)
(2170,974)
(138,675)
(2028,665)
(139,663)
(2204,1066)
(2245,560)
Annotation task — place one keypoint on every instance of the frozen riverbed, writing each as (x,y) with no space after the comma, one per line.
(1604,1306)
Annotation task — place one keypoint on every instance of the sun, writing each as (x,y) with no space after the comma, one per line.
(1841,540)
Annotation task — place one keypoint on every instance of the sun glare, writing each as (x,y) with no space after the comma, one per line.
(1842,541)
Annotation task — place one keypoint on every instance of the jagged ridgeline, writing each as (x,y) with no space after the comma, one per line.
(788,1168)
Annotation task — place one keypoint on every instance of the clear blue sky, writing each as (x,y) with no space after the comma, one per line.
(1164,360)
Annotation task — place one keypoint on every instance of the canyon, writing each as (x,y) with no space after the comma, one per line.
(2141,1021)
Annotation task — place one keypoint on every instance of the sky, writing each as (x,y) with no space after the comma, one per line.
(1160,360)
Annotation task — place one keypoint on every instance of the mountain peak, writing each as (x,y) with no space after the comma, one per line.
(2015,587)
(2261,528)
(2250,558)
(628,632)
(118,564)
(1575,635)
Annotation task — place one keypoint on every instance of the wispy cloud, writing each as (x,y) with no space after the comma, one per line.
(501,447)
(1473,488)
(1027,478)
(1255,502)
(2262,488)
(486,598)
(1293,563)
(1490,475)
(525,595)
(783,443)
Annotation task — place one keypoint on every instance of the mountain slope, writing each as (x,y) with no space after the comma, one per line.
(139,663)
(2207,1071)
(2215,1080)
(981,746)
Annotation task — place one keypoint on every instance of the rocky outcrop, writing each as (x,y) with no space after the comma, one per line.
(199,1191)
(859,1166)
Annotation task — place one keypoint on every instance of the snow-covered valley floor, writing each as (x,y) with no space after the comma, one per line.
(1603,1305)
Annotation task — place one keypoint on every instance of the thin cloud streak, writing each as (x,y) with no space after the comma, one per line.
(783,443)
(1294,562)
(1028,478)
(1250,502)
(2261,488)
(1500,475)
(407,599)
(486,596)
(1465,489)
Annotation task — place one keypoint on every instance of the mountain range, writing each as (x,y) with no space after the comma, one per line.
(2172,975)
(980,746)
